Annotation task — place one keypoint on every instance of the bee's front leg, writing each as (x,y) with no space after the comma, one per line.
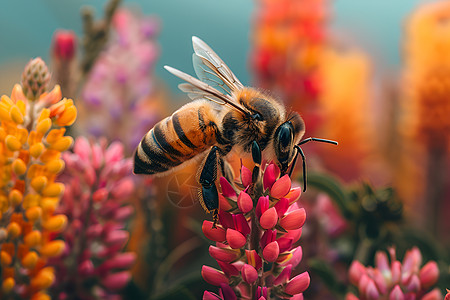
(209,197)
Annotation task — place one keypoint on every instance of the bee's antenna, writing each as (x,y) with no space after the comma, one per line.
(300,151)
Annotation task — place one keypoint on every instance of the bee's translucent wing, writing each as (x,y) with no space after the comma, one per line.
(211,69)
(199,89)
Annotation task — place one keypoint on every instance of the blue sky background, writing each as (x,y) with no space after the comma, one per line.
(373,26)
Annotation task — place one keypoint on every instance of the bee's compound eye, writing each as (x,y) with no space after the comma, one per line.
(283,142)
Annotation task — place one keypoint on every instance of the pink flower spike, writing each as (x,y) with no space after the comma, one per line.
(282,206)
(281,187)
(429,274)
(298,284)
(244,202)
(235,239)
(371,291)
(262,205)
(224,254)
(253,259)
(269,218)
(214,276)
(396,293)
(241,224)
(294,194)
(294,219)
(267,237)
(271,252)
(210,296)
(435,294)
(116,281)
(284,275)
(246,176)
(249,274)
(227,189)
(356,271)
(228,269)
(214,234)
(270,176)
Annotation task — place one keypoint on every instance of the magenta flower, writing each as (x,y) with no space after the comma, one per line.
(395,280)
(96,203)
(255,239)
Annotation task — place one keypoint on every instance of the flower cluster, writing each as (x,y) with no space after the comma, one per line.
(395,280)
(31,141)
(288,43)
(98,185)
(120,84)
(259,226)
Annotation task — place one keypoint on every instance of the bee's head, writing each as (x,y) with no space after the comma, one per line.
(286,136)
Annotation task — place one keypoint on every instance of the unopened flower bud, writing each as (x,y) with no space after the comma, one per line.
(35,79)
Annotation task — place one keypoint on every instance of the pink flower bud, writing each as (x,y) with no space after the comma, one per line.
(396,293)
(253,259)
(224,203)
(269,218)
(298,284)
(412,261)
(235,239)
(435,294)
(270,176)
(100,195)
(249,274)
(114,153)
(382,263)
(224,254)
(210,296)
(246,176)
(447,297)
(262,205)
(214,234)
(380,281)
(282,206)
(89,175)
(214,276)
(261,292)
(267,237)
(271,252)
(429,274)
(284,275)
(228,269)
(64,44)
(371,291)
(294,194)
(86,268)
(294,234)
(116,281)
(356,271)
(226,219)
(82,148)
(120,261)
(284,244)
(227,292)
(281,187)
(227,189)
(241,224)
(97,156)
(117,237)
(123,213)
(294,219)
(396,271)
(123,188)
(245,202)
(414,284)
(297,297)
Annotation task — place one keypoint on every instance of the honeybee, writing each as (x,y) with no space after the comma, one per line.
(224,116)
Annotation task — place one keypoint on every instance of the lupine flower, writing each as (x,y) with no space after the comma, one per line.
(395,280)
(289,38)
(31,141)
(256,238)
(120,86)
(98,187)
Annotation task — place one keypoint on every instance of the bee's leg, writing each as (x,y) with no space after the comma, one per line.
(209,197)
(257,157)
(299,151)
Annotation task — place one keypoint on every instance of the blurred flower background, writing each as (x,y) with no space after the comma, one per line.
(75,223)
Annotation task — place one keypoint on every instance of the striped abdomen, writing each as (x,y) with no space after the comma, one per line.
(189,131)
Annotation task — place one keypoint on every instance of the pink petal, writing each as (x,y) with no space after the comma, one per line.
(228,269)
(235,239)
(214,234)
(253,259)
(246,176)
(224,254)
(350,296)
(210,296)
(281,187)
(213,276)
(298,284)
(116,281)
(262,205)
(267,237)
(412,261)
(371,291)
(429,274)
(224,203)
(269,218)
(82,148)
(284,243)
(249,274)
(270,176)
(382,263)
(282,206)
(226,219)
(296,257)
(396,293)
(356,271)
(241,224)
(435,294)
(227,292)
(123,189)
(294,194)
(227,189)
(271,252)
(114,153)
(284,275)
(244,202)
(294,234)
(414,284)
(294,220)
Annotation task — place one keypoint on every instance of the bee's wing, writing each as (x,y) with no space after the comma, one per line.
(197,89)
(211,69)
